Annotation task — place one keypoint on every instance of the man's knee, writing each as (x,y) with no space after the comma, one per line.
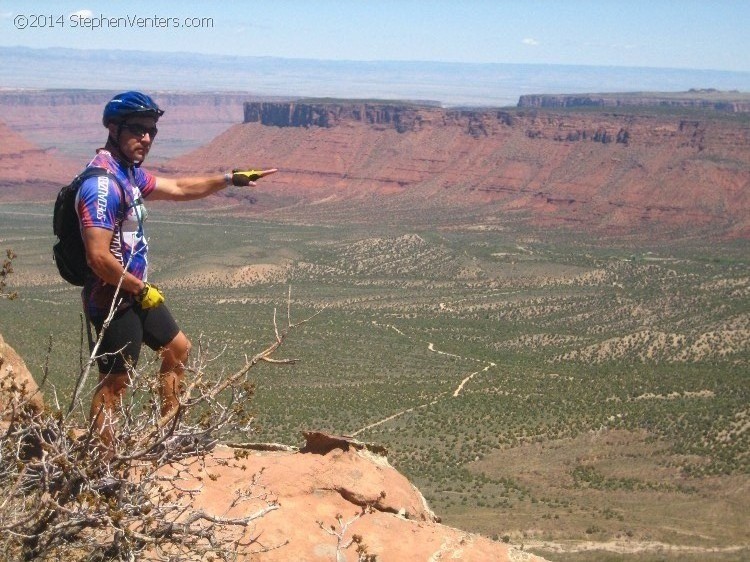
(178,350)
(184,348)
(113,384)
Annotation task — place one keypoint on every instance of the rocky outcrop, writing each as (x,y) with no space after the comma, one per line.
(322,490)
(17,385)
(731,102)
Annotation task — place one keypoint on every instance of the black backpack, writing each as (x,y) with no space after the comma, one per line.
(68,252)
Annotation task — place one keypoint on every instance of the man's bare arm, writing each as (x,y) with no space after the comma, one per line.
(104,265)
(196,187)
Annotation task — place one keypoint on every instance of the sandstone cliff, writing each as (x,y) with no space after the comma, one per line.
(713,100)
(613,172)
(402,117)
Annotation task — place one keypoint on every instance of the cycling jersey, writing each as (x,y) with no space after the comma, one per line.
(102,203)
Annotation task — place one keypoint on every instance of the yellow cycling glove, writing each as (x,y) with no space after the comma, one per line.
(245,177)
(150,296)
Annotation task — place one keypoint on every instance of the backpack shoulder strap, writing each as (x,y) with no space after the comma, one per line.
(64,208)
(95,171)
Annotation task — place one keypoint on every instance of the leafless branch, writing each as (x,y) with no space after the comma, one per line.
(114,305)
(342,542)
(64,496)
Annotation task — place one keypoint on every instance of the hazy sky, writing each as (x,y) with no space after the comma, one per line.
(700,34)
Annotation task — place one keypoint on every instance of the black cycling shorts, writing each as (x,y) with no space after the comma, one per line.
(131,327)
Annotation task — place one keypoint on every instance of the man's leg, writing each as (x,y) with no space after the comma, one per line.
(174,357)
(120,347)
(105,404)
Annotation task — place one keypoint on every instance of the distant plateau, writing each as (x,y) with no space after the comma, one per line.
(641,165)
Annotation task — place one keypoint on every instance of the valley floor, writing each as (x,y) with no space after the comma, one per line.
(583,398)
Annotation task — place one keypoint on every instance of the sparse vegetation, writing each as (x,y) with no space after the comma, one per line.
(67,494)
(5,271)
(607,384)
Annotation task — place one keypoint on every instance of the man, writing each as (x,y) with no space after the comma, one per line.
(111,215)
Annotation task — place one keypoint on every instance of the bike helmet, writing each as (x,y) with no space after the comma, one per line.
(127,104)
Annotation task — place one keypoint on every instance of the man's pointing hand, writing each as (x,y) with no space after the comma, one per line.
(249,177)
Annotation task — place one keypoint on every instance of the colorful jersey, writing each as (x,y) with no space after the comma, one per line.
(102,203)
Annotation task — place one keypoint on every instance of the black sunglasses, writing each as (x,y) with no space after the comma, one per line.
(138,130)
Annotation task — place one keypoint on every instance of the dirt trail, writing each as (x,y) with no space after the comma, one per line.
(391,417)
(456,393)
(471,376)
(628,547)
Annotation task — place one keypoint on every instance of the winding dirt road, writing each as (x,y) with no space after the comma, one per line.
(456,393)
